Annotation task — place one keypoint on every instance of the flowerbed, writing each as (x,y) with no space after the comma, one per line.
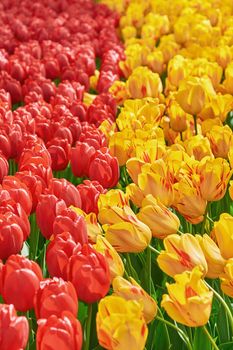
(116,164)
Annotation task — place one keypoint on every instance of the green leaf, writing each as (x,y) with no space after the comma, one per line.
(223,326)
(82,312)
(200,340)
(226,346)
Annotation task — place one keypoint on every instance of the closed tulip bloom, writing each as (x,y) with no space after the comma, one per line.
(178,118)
(4,167)
(116,266)
(104,168)
(214,177)
(134,168)
(20,279)
(63,333)
(158,218)
(65,190)
(135,194)
(14,330)
(80,158)
(72,222)
(220,139)
(131,290)
(113,198)
(48,208)
(89,272)
(188,300)
(123,229)
(157,181)
(181,253)
(120,324)
(223,233)
(198,146)
(144,83)
(213,256)
(218,107)
(189,201)
(227,278)
(89,192)
(55,296)
(193,93)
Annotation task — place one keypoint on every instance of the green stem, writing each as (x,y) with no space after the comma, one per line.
(153,249)
(131,268)
(165,327)
(183,336)
(212,221)
(181,136)
(86,345)
(34,237)
(148,264)
(181,233)
(210,338)
(224,304)
(195,124)
(205,217)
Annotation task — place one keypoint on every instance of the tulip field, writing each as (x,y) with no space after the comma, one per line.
(116,175)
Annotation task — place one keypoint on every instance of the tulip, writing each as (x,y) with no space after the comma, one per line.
(58,252)
(65,190)
(193,93)
(59,150)
(72,222)
(120,324)
(20,279)
(104,168)
(188,300)
(4,167)
(55,296)
(134,168)
(80,158)
(182,253)
(89,192)
(213,256)
(143,82)
(48,208)
(214,177)
(131,290)
(135,194)
(218,107)
(222,231)
(158,218)
(11,235)
(198,146)
(227,278)
(178,118)
(220,139)
(189,201)
(116,266)
(89,272)
(64,332)
(113,198)
(123,229)
(14,330)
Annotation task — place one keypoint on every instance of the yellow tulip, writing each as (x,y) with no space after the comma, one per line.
(214,177)
(198,146)
(120,146)
(143,82)
(112,198)
(220,139)
(119,91)
(131,290)
(123,229)
(120,324)
(218,107)
(116,266)
(193,93)
(208,124)
(223,56)
(177,70)
(135,194)
(158,218)
(213,256)
(228,82)
(223,232)
(156,179)
(188,300)
(129,32)
(155,61)
(181,253)
(227,278)
(189,201)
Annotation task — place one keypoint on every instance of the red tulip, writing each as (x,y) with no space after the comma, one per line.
(104,168)
(20,279)
(89,272)
(11,235)
(14,330)
(64,333)
(59,150)
(55,296)
(80,158)
(4,167)
(89,192)
(48,208)
(58,253)
(65,190)
(70,221)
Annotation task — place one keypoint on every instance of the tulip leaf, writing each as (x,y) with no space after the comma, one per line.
(82,312)
(226,346)
(200,340)
(222,325)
